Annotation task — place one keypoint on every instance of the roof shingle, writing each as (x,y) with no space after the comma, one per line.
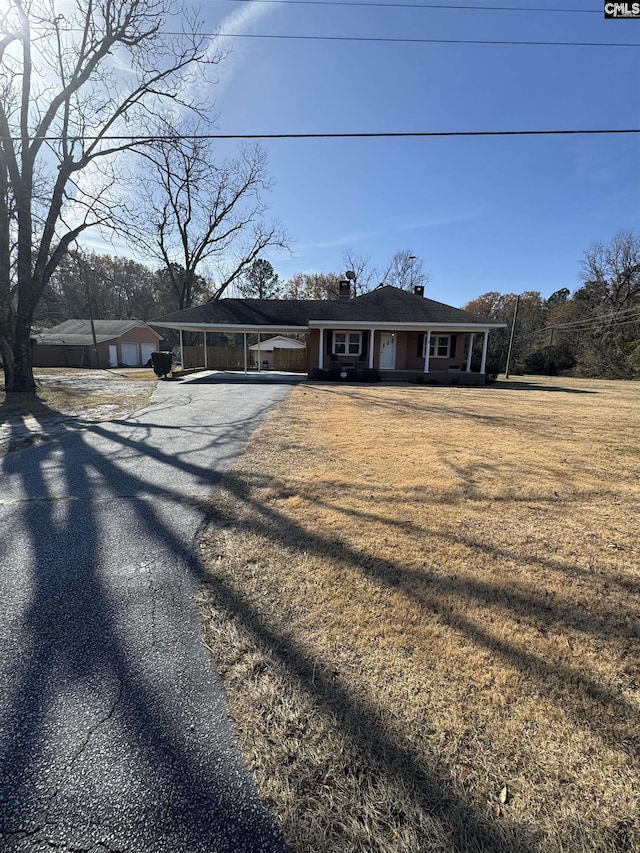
(384,304)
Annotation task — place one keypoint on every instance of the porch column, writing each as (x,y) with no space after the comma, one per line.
(181,350)
(321,351)
(259,356)
(372,336)
(244,337)
(205,349)
(483,363)
(471,337)
(427,347)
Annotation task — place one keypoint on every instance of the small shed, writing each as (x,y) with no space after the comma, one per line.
(118,343)
(266,350)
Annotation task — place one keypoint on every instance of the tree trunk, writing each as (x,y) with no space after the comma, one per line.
(18,365)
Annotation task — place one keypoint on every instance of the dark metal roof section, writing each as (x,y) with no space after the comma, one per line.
(78,332)
(384,304)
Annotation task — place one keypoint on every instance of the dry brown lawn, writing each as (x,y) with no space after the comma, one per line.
(425,606)
(66,398)
(77,392)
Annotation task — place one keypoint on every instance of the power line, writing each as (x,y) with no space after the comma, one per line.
(424,6)
(576,325)
(590,324)
(394,40)
(415,134)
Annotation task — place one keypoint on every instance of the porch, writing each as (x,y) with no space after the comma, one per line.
(439,356)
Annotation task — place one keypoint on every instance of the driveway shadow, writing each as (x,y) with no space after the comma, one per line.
(113,730)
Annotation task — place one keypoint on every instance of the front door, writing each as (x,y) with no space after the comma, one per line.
(387,350)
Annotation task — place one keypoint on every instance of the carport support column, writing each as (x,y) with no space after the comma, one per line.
(372,335)
(181,350)
(483,363)
(321,351)
(427,347)
(244,335)
(471,337)
(205,349)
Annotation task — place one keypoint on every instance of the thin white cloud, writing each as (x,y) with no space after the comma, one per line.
(388,228)
(243,19)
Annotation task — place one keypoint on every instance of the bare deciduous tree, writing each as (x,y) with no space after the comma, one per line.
(207,214)
(405,270)
(366,274)
(77,80)
(612,272)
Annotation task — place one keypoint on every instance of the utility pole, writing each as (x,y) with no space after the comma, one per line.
(82,266)
(513,328)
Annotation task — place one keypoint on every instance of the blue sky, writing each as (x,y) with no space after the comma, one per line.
(505,214)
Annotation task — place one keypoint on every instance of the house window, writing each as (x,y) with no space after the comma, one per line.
(439,347)
(347,343)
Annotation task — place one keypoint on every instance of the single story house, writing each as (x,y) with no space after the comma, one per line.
(402,335)
(75,343)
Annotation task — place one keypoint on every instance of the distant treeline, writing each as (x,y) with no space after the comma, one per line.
(594,331)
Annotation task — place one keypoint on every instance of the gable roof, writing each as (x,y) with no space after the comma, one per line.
(385,304)
(278,342)
(78,332)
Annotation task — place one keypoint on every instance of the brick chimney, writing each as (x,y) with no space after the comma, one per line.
(344,291)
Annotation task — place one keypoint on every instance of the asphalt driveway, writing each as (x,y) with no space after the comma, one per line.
(113,730)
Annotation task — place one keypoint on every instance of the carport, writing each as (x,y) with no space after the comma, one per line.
(226,328)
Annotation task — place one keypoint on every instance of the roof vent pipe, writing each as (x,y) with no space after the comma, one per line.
(418,289)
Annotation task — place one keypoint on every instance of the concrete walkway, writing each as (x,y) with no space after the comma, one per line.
(114,733)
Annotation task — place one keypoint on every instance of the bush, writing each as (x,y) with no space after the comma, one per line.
(162,363)
(370,374)
(316,374)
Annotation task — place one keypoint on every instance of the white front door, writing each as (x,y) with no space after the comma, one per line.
(387,350)
(113,355)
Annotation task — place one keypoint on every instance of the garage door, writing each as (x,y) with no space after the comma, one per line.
(130,356)
(146,350)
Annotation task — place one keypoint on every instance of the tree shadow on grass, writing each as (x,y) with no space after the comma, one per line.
(595,708)
(28,420)
(80,635)
(605,713)
(523,385)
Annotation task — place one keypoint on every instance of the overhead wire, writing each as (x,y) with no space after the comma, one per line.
(408,134)
(403,40)
(425,6)
(593,323)
(633,312)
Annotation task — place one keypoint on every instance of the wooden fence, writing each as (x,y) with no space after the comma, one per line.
(232,358)
(294,360)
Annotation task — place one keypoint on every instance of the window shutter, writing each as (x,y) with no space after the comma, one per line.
(365,344)
(453,346)
(420,345)
(329,337)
